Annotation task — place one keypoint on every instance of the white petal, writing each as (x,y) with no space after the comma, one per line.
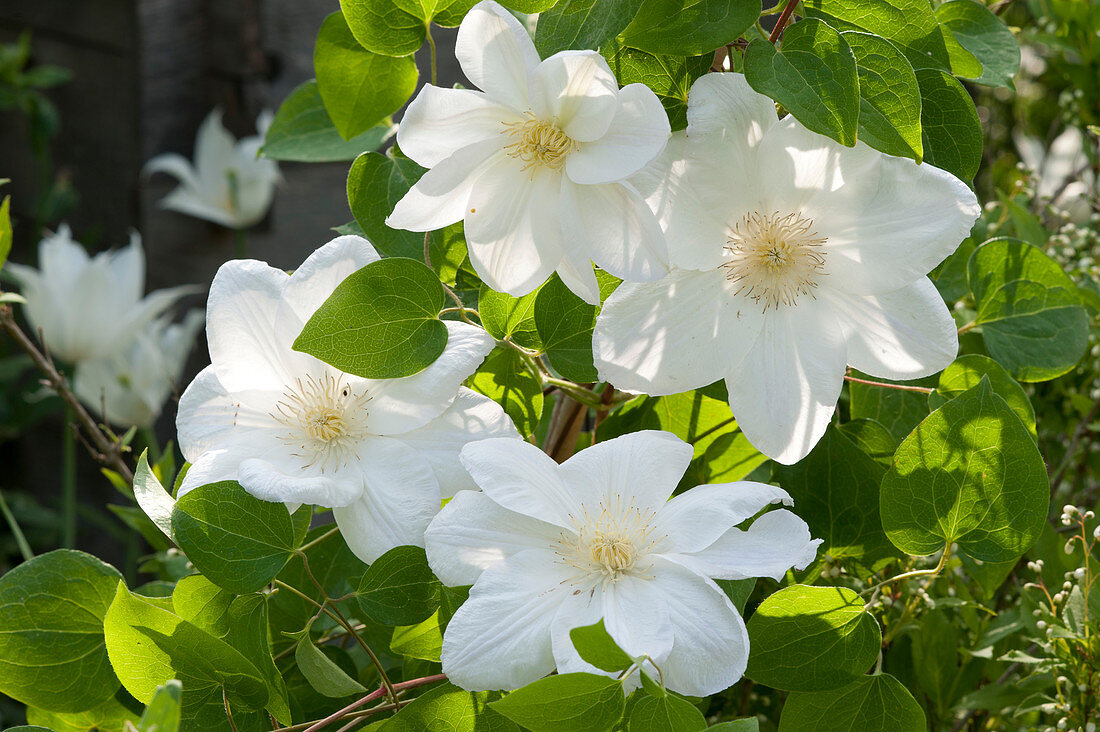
(398,406)
(904,334)
(496,53)
(312,283)
(283,482)
(577,90)
(212,466)
(640,469)
(500,637)
(400,498)
(522,478)
(214,148)
(192,203)
(473,533)
(638,133)
(576,273)
(470,417)
(785,390)
(613,225)
(726,107)
(576,611)
(682,332)
(773,544)
(710,644)
(174,165)
(441,195)
(513,228)
(636,616)
(440,122)
(696,518)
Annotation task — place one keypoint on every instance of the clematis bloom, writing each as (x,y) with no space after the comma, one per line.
(535,163)
(550,547)
(793,257)
(228,184)
(89,307)
(289,427)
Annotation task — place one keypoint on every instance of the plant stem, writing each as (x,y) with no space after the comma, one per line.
(376,694)
(20,540)
(318,540)
(431,48)
(964,328)
(1071,447)
(915,573)
(240,244)
(885,385)
(784,18)
(68,482)
(427,249)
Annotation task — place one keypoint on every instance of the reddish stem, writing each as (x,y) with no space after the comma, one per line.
(376,694)
(784,18)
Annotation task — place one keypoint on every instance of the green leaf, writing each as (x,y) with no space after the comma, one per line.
(359,88)
(950,130)
(504,377)
(983,34)
(969,474)
(163,712)
(446,708)
(112,714)
(872,438)
(811,639)
(670,77)
(382,322)
(564,323)
(814,76)
(747,724)
(968,370)
(581,24)
(52,652)
(382,27)
(738,591)
(322,673)
(238,541)
(576,702)
(1030,311)
(399,588)
(596,646)
(870,704)
(154,500)
(249,633)
(889,97)
(836,490)
(203,604)
(149,646)
(897,410)
(5,230)
(423,640)
(302,131)
(689,27)
(504,316)
(667,713)
(529,6)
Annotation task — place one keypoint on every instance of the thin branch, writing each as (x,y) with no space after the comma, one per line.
(1075,439)
(915,573)
(784,18)
(376,694)
(886,385)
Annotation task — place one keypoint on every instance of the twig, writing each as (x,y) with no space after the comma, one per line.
(1071,448)
(565,425)
(20,540)
(106,452)
(885,385)
(910,575)
(784,18)
(376,694)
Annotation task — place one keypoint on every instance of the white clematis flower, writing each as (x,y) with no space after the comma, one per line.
(89,307)
(794,257)
(228,183)
(535,164)
(288,427)
(1063,171)
(131,386)
(550,547)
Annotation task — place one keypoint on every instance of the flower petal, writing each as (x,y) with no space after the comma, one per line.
(904,334)
(209,417)
(696,518)
(500,637)
(785,390)
(513,227)
(191,203)
(440,197)
(522,478)
(174,165)
(577,90)
(399,499)
(214,148)
(473,532)
(724,105)
(312,283)
(710,644)
(613,225)
(641,467)
(440,122)
(636,616)
(212,466)
(470,417)
(496,53)
(682,332)
(638,133)
(281,482)
(773,544)
(576,611)
(398,406)
(576,273)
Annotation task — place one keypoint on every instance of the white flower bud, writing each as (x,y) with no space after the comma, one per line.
(1079,573)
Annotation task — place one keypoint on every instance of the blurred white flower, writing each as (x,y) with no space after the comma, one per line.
(1062,172)
(89,307)
(228,183)
(131,386)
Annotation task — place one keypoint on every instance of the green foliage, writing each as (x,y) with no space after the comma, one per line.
(669,76)
(582,24)
(52,652)
(983,34)
(359,88)
(576,702)
(951,133)
(447,708)
(382,322)
(236,540)
(889,97)
(504,377)
(163,712)
(968,370)
(689,27)
(814,76)
(504,316)
(596,646)
(5,229)
(564,323)
(398,27)
(151,496)
(969,474)
(665,713)
(871,704)
(321,672)
(399,588)
(302,131)
(811,639)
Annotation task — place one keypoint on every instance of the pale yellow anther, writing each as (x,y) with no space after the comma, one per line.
(539,143)
(775,258)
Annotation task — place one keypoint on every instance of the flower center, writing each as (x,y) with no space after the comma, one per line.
(538,142)
(326,420)
(609,544)
(775,258)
